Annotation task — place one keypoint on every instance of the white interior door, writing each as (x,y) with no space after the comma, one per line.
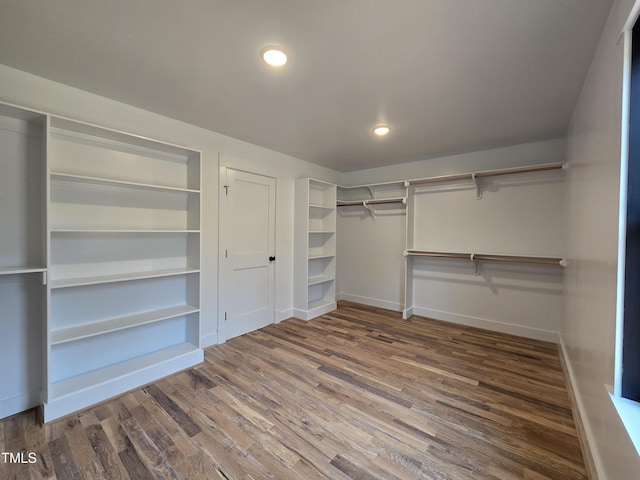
(247,252)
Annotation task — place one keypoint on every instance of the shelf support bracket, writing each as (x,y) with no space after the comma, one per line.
(476,182)
(476,265)
(373,195)
(372,211)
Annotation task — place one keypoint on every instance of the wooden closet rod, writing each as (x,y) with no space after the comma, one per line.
(488,173)
(489,257)
(421,253)
(520,259)
(373,201)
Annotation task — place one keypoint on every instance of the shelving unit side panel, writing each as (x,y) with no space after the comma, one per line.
(407,311)
(411,212)
(300,241)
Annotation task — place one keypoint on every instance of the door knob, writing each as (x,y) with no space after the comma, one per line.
(271,259)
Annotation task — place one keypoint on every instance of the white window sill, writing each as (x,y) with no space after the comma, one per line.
(629,412)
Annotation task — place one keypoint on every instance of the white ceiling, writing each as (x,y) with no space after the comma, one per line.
(449,76)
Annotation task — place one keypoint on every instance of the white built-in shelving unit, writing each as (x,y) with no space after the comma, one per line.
(124,249)
(23,257)
(314,248)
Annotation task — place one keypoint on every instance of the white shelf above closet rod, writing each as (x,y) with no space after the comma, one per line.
(368,203)
(489,257)
(488,173)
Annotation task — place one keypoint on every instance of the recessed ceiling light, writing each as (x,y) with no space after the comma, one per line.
(274,56)
(381,130)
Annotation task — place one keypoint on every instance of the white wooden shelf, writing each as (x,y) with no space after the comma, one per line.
(125,277)
(318,280)
(317,257)
(79,332)
(323,207)
(21,270)
(94,378)
(119,183)
(113,230)
(322,232)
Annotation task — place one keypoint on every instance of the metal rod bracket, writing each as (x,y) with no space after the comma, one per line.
(373,195)
(476,265)
(372,211)
(476,182)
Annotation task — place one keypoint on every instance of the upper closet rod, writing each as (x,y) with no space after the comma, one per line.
(489,257)
(373,201)
(488,173)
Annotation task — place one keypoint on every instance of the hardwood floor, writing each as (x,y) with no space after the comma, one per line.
(356,394)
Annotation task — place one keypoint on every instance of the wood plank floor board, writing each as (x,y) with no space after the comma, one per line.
(357,393)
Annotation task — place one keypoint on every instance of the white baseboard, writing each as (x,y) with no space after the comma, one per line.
(372,302)
(593,461)
(299,314)
(208,340)
(18,403)
(496,326)
(314,312)
(284,314)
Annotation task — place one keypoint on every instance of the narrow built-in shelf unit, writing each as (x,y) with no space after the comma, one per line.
(314,248)
(124,263)
(23,257)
